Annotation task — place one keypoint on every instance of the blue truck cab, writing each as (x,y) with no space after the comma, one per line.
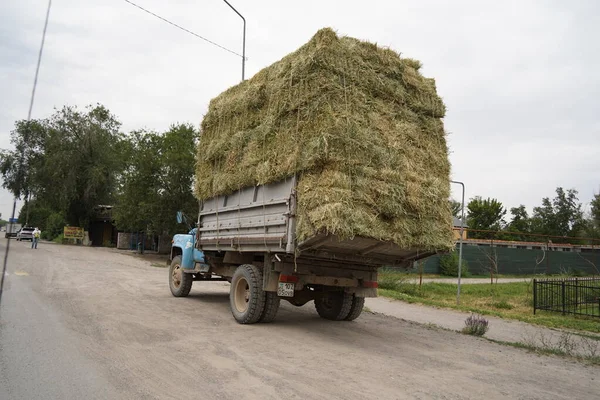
(183,245)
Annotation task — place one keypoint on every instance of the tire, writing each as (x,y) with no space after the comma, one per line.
(246,295)
(356,308)
(334,306)
(179,282)
(271,307)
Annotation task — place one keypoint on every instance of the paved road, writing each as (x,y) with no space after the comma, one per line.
(93,323)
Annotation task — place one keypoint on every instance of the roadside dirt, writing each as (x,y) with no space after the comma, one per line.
(500,329)
(151,345)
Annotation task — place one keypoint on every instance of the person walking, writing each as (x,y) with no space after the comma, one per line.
(36,237)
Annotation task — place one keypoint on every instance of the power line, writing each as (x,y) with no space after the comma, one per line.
(184,29)
(35,80)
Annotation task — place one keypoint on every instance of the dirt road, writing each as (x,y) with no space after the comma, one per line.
(93,323)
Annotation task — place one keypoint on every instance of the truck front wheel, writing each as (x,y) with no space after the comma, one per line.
(246,295)
(334,306)
(179,282)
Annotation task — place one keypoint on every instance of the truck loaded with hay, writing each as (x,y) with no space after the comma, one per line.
(323,167)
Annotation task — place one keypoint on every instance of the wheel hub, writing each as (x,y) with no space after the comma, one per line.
(176,276)
(241,295)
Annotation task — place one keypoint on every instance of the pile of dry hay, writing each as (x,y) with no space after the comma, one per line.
(358,123)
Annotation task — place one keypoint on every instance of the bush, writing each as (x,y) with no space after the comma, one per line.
(389,282)
(476,325)
(504,305)
(59,239)
(449,265)
(54,226)
(578,273)
(400,283)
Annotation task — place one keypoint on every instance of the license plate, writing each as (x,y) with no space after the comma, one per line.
(285,289)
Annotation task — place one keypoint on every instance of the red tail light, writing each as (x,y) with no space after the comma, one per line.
(288,278)
(370,284)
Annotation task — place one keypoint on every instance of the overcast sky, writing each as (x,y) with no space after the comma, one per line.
(520,79)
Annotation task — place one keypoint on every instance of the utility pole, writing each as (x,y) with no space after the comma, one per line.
(243,40)
(460,246)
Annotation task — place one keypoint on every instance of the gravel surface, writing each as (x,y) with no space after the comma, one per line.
(499,329)
(95,323)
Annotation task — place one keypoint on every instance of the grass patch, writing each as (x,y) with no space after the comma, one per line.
(502,305)
(507,300)
(415,275)
(158,265)
(594,360)
(549,351)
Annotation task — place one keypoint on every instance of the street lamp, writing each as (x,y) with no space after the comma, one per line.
(244,39)
(460,239)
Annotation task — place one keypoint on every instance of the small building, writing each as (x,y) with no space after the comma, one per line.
(102,229)
(456,229)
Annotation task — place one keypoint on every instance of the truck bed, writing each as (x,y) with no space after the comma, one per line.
(262,219)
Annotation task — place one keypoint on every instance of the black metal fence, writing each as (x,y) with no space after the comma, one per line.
(580,296)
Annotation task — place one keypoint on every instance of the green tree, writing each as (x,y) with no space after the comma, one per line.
(520,222)
(83,159)
(18,166)
(561,216)
(139,189)
(595,209)
(38,214)
(66,163)
(177,177)
(157,181)
(592,223)
(485,214)
(456,207)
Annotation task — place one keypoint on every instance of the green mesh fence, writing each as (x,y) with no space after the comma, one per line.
(516,261)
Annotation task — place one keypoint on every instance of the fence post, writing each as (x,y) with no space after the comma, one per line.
(547,256)
(577,303)
(563,297)
(534,295)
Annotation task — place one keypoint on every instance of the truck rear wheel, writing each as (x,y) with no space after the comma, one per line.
(356,308)
(271,307)
(246,295)
(179,282)
(334,306)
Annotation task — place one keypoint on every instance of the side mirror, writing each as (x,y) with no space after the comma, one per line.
(182,219)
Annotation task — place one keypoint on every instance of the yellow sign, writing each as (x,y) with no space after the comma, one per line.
(73,232)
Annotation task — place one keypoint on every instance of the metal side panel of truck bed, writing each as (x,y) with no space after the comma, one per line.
(262,219)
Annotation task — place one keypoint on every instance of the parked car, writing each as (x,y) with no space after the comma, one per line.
(25,233)
(11,230)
